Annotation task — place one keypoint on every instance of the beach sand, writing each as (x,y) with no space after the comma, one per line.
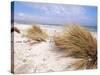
(38,57)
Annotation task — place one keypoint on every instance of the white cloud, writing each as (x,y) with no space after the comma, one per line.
(21,14)
(58,9)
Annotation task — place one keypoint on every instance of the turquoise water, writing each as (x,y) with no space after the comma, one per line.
(91,28)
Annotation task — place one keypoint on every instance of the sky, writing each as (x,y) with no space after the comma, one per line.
(47,13)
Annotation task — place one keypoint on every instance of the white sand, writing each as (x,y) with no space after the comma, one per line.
(39,57)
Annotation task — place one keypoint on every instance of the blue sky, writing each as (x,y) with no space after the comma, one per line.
(46,13)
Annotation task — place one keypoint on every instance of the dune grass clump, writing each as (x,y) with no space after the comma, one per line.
(36,33)
(77,42)
(15,29)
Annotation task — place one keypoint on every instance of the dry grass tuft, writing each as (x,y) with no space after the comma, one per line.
(36,33)
(15,29)
(77,42)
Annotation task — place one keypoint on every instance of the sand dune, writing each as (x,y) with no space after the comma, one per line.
(38,57)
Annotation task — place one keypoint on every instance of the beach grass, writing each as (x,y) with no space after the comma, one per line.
(15,29)
(36,33)
(77,42)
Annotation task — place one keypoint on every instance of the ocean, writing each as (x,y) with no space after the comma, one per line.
(90,28)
